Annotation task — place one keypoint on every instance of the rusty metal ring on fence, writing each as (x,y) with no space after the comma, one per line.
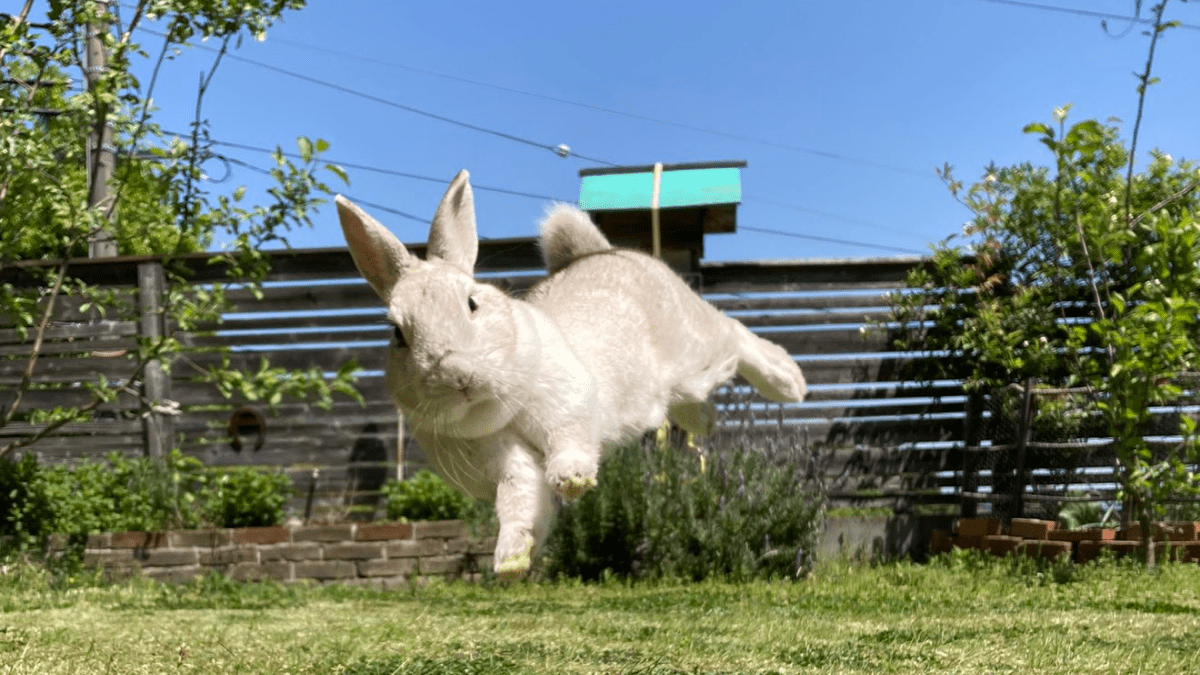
(244,422)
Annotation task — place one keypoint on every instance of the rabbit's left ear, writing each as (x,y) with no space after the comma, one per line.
(452,236)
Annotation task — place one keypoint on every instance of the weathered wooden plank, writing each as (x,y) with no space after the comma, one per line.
(778,277)
(101,427)
(368,356)
(858,318)
(71,331)
(830,341)
(800,301)
(82,347)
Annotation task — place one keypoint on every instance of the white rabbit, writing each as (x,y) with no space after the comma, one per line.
(512,398)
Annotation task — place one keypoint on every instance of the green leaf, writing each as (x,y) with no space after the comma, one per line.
(306,149)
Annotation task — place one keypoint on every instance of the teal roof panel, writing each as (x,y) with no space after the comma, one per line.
(680,188)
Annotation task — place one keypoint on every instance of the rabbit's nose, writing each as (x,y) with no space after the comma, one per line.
(453,371)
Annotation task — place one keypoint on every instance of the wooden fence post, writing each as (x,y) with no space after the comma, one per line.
(158,420)
(972,436)
(1024,433)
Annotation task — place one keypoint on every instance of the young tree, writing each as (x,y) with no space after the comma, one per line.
(153,202)
(1084,274)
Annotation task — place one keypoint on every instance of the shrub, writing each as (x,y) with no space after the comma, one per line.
(661,513)
(114,495)
(426,496)
(247,497)
(121,494)
(26,513)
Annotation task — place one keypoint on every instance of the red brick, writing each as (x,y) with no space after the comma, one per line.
(261,535)
(1182,531)
(443,564)
(1001,545)
(354,551)
(978,527)
(969,541)
(324,569)
(324,533)
(1134,532)
(1082,535)
(387,568)
(941,542)
(174,574)
(118,558)
(292,552)
(439,529)
(229,555)
(414,549)
(384,531)
(170,557)
(139,539)
(99,541)
(1028,528)
(199,538)
(1047,550)
(279,571)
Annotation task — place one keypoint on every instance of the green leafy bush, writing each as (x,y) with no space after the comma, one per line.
(26,513)
(123,493)
(247,497)
(426,496)
(660,513)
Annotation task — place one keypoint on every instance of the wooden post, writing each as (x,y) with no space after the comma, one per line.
(972,436)
(159,420)
(399,444)
(100,156)
(1017,508)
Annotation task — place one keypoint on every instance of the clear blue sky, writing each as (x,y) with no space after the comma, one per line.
(843,108)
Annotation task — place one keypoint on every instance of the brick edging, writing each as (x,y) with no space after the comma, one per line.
(382,555)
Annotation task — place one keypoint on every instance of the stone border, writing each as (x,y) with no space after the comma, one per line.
(376,555)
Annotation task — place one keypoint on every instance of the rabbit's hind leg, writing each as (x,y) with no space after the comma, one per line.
(524,507)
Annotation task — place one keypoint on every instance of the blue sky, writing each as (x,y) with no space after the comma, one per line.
(842,108)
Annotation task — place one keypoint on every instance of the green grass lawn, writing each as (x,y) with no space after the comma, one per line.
(960,615)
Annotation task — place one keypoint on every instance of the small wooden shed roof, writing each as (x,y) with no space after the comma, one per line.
(695,199)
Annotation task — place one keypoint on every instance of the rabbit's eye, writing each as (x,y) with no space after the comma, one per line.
(399,335)
(472,305)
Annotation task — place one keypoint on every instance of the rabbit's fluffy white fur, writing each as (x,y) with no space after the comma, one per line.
(513,400)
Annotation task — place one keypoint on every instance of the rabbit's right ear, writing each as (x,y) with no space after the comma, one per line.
(377,253)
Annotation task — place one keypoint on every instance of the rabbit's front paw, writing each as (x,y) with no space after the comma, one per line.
(514,555)
(571,474)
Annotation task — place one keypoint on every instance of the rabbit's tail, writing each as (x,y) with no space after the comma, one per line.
(568,234)
(770,369)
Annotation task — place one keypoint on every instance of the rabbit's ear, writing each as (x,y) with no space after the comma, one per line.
(377,253)
(452,235)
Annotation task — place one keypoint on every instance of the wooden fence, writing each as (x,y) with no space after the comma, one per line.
(870,437)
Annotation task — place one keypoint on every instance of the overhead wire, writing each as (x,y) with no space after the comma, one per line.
(613,111)
(504,135)
(557,149)
(379,207)
(387,172)
(1084,12)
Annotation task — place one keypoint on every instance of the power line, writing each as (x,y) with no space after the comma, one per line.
(1083,12)
(826,215)
(612,111)
(763,230)
(557,149)
(389,172)
(829,240)
(259,169)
